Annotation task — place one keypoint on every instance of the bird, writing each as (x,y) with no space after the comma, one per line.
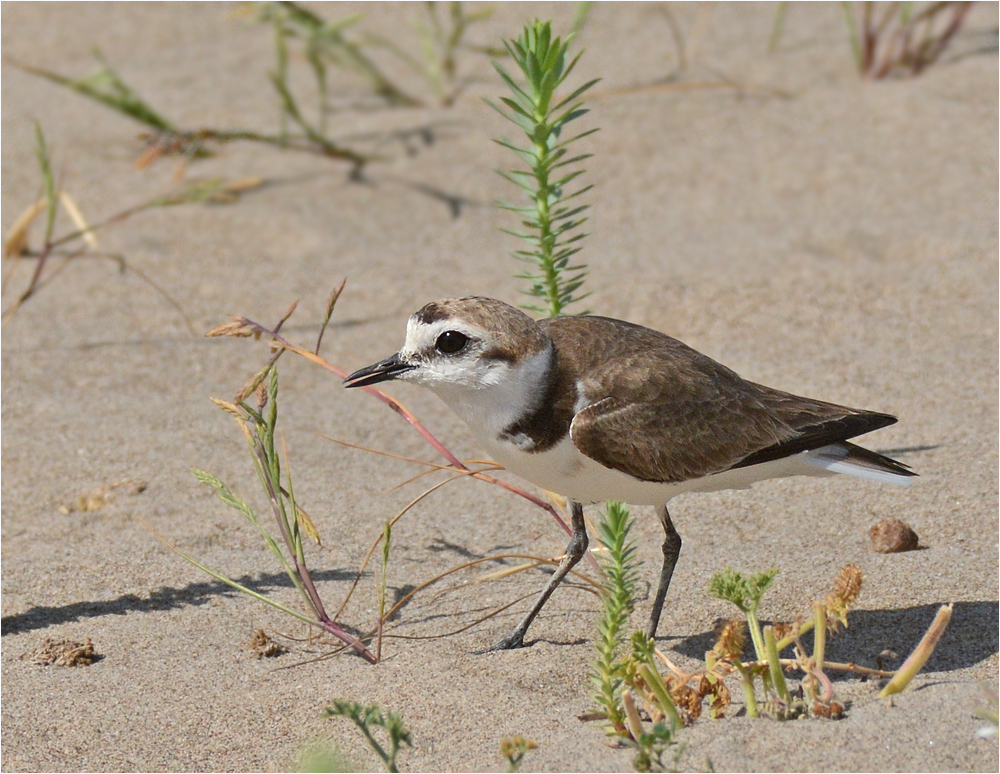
(596,409)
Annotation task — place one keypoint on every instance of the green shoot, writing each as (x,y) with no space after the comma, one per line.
(620,569)
(652,745)
(745,593)
(440,44)
(548,219)
(580,17)
(108,88)
(644,663)
(441,40)
(325,43)
(48,181)
(369,717)
(386,545)
(777,28)
(259,426)
(513,749)
(819,636)
(774,665)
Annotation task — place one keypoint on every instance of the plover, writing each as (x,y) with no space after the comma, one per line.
(598,409)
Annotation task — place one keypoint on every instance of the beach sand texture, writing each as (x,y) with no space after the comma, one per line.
(818,233)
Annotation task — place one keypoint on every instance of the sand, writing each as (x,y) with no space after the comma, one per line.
(821,234)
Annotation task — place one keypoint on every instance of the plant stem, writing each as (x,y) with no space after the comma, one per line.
(819,647)
(655,682)
(774,664)
(755,635)
(746,680)
(916,660)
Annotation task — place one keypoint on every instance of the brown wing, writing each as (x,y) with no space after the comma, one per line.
(660,411)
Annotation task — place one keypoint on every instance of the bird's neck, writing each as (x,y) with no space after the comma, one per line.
(491,410)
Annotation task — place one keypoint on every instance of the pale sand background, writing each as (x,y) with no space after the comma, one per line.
(840,242)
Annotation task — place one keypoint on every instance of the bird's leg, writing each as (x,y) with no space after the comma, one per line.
(671,550)
(574,551)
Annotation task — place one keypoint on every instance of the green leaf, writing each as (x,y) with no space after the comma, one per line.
(576,94)
(48,182)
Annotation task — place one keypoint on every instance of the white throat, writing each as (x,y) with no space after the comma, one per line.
(513,391)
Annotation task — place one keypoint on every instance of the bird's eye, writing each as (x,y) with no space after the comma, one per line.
(451,342)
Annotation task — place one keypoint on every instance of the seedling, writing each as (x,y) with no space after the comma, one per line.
(618,677)
(367,718)
(548,219)
(442,38)
(745,593)
(513,749)
(617,591)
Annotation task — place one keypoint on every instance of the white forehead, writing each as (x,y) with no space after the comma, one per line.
(422,336)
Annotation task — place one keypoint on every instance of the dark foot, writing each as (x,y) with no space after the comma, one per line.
(512,641)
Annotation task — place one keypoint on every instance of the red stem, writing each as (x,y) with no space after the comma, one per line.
(301,568)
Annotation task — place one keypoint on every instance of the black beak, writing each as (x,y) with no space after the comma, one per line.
(386,369)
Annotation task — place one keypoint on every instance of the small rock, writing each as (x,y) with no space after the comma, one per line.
(891,536)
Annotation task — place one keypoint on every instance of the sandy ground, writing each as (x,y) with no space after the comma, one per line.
(817,233)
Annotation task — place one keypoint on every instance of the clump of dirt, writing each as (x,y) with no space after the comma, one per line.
(265,647)
(98,498)
(64,653)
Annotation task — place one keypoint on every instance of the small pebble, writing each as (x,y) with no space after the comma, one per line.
(891,536)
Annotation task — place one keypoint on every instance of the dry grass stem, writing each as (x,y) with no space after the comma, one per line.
(916,660)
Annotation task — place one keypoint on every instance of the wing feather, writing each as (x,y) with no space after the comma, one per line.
(661,411)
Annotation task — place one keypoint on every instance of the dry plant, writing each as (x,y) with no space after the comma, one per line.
(675,697)
(164,138)
(259,426)
(628,684)
(64,652)
(901,37)
(324,45)
(893,38)
(81,241)
(513,749)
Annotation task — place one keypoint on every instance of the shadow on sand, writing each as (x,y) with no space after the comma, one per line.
(168,598)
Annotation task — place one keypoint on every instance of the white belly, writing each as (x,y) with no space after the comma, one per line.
(566,471)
